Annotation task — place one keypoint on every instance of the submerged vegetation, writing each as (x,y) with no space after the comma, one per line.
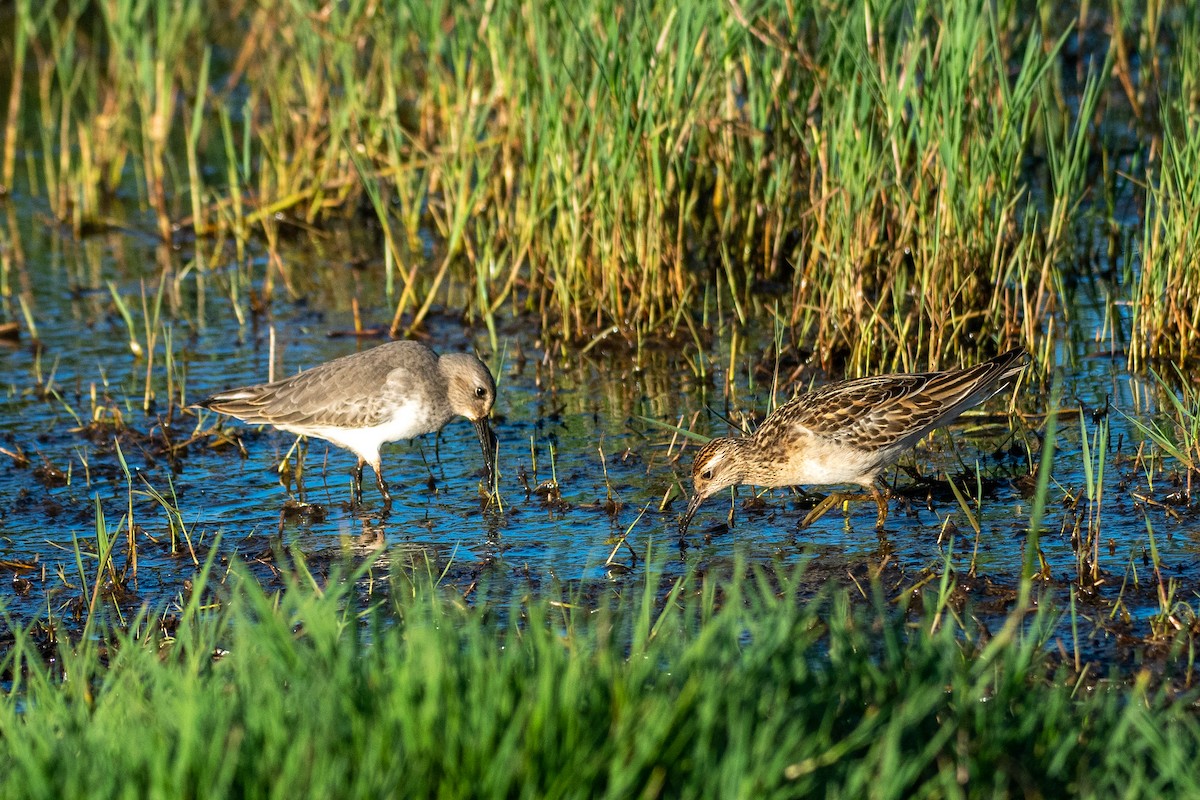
(909,181)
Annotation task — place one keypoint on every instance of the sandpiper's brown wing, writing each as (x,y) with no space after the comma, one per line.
(352,391)
(887,411)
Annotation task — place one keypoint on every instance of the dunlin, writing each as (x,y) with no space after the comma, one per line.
(394,391)
(846,432)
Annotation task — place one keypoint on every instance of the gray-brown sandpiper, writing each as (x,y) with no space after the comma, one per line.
(394,391)
(846,432)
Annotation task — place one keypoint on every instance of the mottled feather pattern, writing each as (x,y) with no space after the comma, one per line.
(885,411)
(846,432)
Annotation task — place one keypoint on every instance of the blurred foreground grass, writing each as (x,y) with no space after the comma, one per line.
(740,690)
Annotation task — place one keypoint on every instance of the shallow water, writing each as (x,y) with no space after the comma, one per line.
(584,421)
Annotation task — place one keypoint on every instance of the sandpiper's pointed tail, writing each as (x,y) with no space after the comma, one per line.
(244,403)
(965,388)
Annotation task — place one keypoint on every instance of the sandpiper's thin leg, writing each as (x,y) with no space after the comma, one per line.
(358,481)
(880,495)
(301,452)
(383,490)
(822,508)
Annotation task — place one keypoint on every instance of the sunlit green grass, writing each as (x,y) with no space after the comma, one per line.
(745,690)
(1166,307)
(913,180)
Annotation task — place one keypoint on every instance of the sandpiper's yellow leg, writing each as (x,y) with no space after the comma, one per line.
(878,494)
(820,509)
(829,502)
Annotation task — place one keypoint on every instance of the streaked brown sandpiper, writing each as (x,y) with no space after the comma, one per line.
(846,432)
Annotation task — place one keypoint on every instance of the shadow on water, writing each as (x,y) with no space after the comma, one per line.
(107,483)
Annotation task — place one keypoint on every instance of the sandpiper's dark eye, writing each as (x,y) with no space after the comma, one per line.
(480,392)
(706,475)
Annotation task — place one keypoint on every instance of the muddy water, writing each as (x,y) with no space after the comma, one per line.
(586,456)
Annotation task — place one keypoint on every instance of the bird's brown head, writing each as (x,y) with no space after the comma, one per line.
(472,393)
(717,466)
(469,385)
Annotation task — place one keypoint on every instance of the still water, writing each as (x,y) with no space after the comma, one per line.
(590,472)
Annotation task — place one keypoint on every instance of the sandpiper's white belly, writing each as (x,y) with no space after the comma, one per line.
(408,420)
(819,465)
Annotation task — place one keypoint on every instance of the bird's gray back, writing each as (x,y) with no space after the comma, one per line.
(357,390)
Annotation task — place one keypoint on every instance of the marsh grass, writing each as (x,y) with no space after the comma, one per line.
(1166,307)
(601,169)
(741,688)
(1085,537)
(1174,429)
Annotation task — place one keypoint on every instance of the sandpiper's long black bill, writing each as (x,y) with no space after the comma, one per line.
(488,441)
(686,519)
